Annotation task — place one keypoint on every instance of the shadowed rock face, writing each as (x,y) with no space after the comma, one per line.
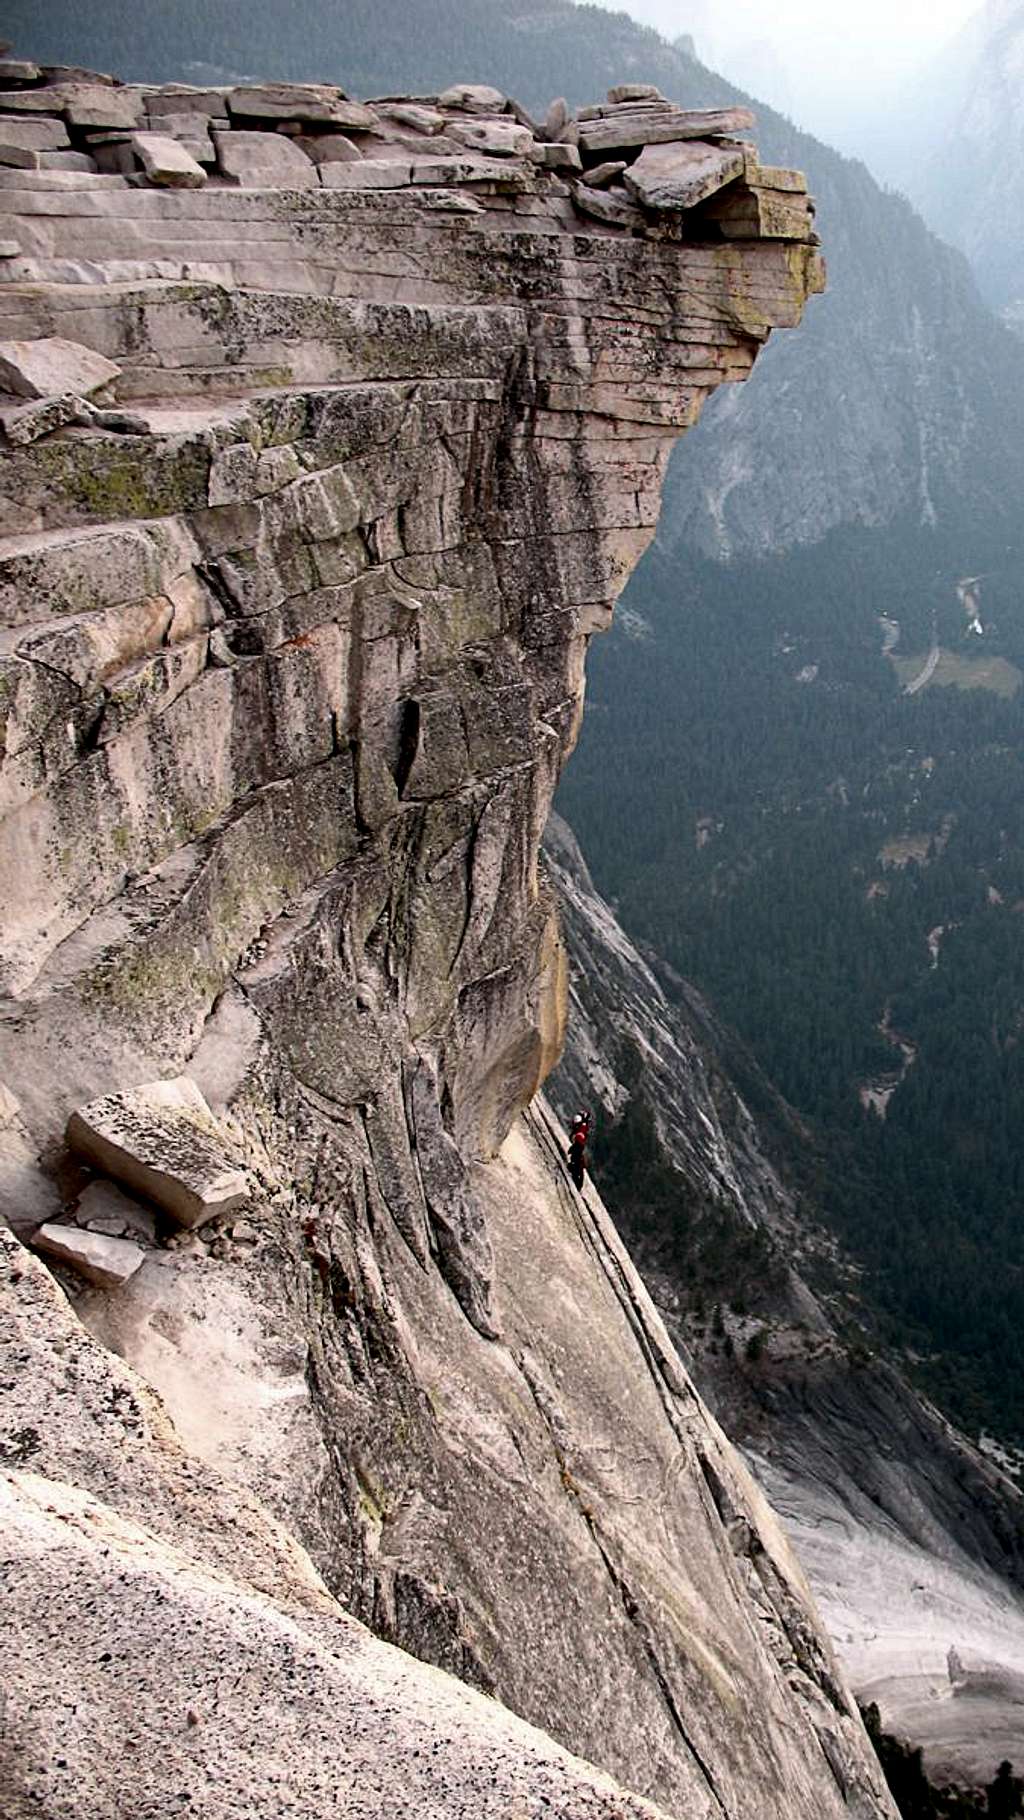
(296,607)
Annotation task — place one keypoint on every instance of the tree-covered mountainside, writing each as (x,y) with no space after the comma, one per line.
(839,864)
(370,46)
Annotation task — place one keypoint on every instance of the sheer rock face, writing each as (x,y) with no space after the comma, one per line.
(910,1536)
(295,626)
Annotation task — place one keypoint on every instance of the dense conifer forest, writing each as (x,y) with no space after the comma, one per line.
(839,864)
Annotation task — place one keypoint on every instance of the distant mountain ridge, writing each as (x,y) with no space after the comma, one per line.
(964,166)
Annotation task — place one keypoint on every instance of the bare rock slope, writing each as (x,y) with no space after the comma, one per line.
(332,434)
(912,1539)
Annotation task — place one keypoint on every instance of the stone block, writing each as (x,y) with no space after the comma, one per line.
(104,1261)
(175,100)
(634,91)
(264,161)
(679,176)
(496,138)
(166,162)
(623,127)
(66,161)
(329,148)
(115,158)
(31,101)
(104,1207)
(600,175)
(193,132)
(415,119)
(473,98)
(52,366)
(17,69)
(83,104)
(301,101)
(18,157)
(161,1140)
(608,206)
(554,157)
(367,174)
(40,134)
(747,212)
(73,72)
(25,423)
(777,177)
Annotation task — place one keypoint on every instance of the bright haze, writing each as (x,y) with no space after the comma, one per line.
(828,66)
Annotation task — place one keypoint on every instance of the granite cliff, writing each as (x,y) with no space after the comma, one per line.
(332,433)
(912,1538)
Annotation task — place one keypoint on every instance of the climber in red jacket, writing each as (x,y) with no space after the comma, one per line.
(579,1132)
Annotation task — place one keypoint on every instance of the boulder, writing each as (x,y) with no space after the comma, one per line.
(301,101)
(166,162)
(264,161)
(496,138)
(557,118)
(107,1262)
(473,98)
(53,366)
(161,1140)
(600,175)
(679,176)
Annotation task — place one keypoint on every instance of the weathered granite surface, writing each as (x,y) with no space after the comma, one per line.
(912,1539)
(294,628)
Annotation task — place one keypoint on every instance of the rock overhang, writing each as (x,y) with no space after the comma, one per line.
(301,548)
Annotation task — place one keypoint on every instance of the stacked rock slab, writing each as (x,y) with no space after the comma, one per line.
(294,609)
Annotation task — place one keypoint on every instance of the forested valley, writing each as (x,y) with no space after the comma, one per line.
(837,858)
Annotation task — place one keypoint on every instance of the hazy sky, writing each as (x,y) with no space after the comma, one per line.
(811,58)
